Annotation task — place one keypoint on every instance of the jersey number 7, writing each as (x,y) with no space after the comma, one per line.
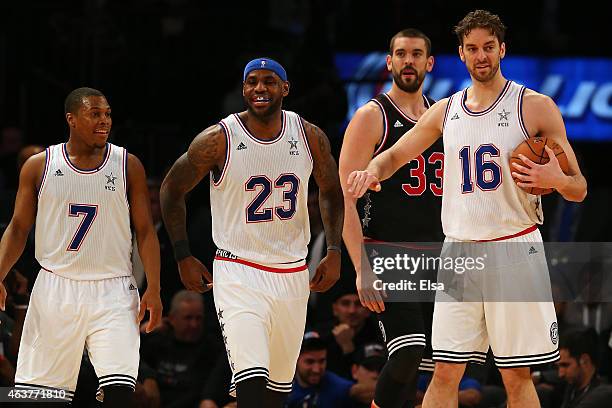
(89,211)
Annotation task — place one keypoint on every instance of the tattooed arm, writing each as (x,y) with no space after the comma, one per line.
(205,154)
(331,203)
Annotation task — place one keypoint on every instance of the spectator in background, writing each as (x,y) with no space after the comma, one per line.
(369,361)
(11,324)
(178,353)
(351,328)
(313,385)
(578,368)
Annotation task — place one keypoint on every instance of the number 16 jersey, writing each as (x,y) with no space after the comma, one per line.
(481,201)
(259,201)
(83,217)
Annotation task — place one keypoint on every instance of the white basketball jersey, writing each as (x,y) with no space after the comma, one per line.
(480,199)
(83,219)
(259,202)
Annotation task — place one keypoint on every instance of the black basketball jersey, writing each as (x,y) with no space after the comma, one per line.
(409,204)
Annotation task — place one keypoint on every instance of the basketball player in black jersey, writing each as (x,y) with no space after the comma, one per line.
(406,209)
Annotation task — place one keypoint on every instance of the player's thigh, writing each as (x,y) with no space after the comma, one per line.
(113,339)
(53,335)
(288,324)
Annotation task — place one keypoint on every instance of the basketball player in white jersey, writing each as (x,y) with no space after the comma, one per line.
(259,161)
(83,195)
(481,126)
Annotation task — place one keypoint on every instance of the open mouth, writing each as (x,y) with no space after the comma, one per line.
(261,101)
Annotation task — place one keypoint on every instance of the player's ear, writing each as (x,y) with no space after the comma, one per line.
(502,50)
(243,84)
(461,53)
(285,88)
(389,63)
(70,119)
(430,63)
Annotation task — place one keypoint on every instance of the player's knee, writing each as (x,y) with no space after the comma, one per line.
(117,396)
(448,374)
(515,377)
(404,363)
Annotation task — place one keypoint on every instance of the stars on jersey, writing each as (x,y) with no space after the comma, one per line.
(110,179)
(293,147)
(503,115)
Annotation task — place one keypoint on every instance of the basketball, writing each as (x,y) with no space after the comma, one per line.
(533,149)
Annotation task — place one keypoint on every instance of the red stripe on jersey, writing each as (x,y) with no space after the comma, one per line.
(263,267)
(518,234)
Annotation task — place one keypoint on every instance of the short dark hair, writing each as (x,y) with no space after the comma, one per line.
(410,33)
(74,100)
(480,19)
(581,341)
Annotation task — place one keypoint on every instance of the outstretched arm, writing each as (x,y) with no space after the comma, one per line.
(543,118)
(331,204)
(206,153)
(414,142)
(146,236)
(14,238)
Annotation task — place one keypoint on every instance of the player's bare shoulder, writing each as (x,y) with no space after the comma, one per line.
(433,118)
(367,125)
(539,112)
(33,168)
(208,148)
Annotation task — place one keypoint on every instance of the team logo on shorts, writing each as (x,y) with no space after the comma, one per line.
(554,333)
(382,330)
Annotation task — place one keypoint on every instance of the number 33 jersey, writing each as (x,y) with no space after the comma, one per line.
(259,201)
(83,218)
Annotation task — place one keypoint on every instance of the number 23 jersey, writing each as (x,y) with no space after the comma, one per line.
(83,217)
(259,201)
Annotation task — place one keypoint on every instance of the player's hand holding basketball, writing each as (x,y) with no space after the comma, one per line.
(549,175)
(194,275)
(359,181)
(327,273)
(152,302)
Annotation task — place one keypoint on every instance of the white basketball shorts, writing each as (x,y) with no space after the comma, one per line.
(66,315)
(520,332)
(262,313)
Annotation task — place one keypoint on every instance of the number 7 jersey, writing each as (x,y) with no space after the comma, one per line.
(83,217)
(259,201)
(480,200)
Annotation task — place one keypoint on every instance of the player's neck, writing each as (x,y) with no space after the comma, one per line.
(267,127)
(76,148)
(482,94)
(411,103)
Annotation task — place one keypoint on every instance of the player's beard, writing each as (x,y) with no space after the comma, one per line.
(488,76)
(408,86)
(263,115)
